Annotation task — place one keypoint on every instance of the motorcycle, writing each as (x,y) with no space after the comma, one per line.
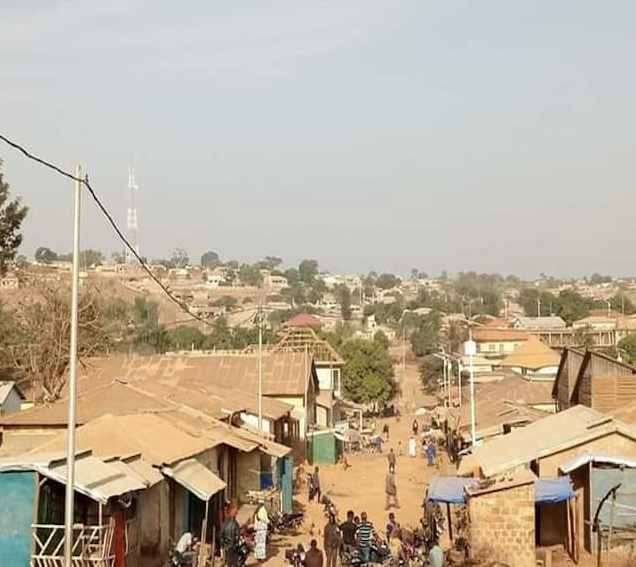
(244,549)
(285,523)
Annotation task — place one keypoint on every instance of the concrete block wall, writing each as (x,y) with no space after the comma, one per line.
(502,525)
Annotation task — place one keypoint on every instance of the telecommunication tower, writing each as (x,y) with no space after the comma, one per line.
(131,222)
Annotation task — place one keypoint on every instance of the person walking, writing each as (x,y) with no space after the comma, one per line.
(314,489)
(230,537)
(392,460)
(261,523)
(415,428)
(365,535)
(412,447)
(332,540)
(390,489)
(385,431)
(313,557)
(431,451)
(378,444)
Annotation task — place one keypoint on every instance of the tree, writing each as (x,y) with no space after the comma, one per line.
(387,281)
(250,275)
(456,336)
(368,373)
(431,369)
(227,302)
(627,349)
(185,337)
(180,258)
(596,279)
(12,214)
(45,255)
(583,339)
(381,338)
(118,257)
(271,262)
(343,295)
(210,259)
(308,270)
(88,257)
(38,345)
(425,336)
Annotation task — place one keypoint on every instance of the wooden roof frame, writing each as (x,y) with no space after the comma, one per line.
(305,339)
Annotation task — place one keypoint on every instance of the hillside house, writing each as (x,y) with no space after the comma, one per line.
(498,343)
(533,360)
(547,323)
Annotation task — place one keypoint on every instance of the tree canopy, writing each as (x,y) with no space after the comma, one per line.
(368,376)
(45,255)
(210,259)
(12,214)
(627,349)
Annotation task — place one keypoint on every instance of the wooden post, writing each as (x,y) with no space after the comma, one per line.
(575,526)
(450,523)
(568,509)
(611,529)
(204,534)
(213,543)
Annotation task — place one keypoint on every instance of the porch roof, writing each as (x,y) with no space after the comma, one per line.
(195,478)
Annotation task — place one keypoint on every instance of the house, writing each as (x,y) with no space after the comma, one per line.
(500,406)
(547,323)
(593,379)
(546,446)
(328,364)
(534,360)
(498,343)
(596,323)
(33,489)
(304,320)
(11,397)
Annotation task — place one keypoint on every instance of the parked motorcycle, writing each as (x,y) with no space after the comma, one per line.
(285,523)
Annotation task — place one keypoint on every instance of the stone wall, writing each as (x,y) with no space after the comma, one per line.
(502,524)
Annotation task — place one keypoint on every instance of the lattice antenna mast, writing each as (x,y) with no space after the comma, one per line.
(131,222)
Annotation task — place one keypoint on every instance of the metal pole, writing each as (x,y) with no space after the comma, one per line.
(260,366)
(69,508)
(473,434)
(446,391)
(459,380)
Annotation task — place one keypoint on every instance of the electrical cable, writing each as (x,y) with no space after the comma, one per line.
(110,220)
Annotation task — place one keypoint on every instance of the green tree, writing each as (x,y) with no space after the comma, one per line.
(583,339)
(343,295)
(185,337)
(210,259)
(381,338)
(387,281)
(597,278)
(368,376)
(271,262)
(431,369)
(425,337)
(12,214)
(88,257)
(227,302)
(627,349)
(307,271)
(45,255)
(250,275)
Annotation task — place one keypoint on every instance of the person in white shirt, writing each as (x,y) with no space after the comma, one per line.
(184,549)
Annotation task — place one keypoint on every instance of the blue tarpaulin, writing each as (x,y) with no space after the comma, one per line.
(553,490)
(450,489)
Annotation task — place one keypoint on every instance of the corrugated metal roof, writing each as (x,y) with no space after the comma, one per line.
(94,478)
(5,389)
(532,354)
(197,479)
(544,437)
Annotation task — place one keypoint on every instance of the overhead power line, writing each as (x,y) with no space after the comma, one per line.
(110,220)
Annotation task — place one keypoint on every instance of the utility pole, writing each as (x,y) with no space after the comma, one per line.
(69,505)
(260,365)
(538,307)
(446,391)
(470,349)
(459,380)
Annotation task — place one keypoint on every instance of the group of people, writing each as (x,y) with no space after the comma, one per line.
(357,533)
(428,445)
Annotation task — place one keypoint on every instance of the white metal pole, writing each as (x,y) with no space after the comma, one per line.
(473,434)
(260,367)
(69,508)
(445,382)
(459,380)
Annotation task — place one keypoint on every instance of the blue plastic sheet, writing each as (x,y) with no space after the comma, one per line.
(553,490)
(449,489)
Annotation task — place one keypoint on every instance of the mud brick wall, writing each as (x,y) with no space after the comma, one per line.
(502,525)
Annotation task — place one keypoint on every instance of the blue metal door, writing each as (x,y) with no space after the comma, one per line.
(18,496)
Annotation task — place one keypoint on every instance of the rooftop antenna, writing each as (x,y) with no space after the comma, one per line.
(131,220)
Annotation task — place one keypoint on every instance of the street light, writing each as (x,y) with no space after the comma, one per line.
(470,349)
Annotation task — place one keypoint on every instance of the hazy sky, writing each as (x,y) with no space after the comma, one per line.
(489,135)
